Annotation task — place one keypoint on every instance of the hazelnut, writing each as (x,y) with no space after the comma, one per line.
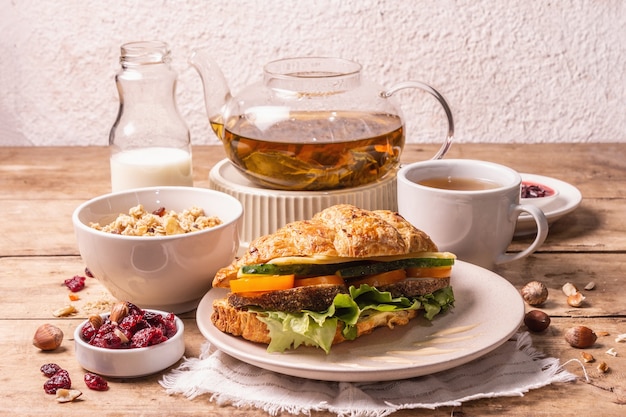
(587,357)
(580,337)
(536,321)
(48,337)
(535,293)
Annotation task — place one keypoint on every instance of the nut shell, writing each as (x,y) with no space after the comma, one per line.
(576,299)
(535,293)
(569,289)
(48,337)
(580,337)
(65,395)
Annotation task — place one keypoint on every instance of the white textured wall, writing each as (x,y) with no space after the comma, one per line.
(512,71)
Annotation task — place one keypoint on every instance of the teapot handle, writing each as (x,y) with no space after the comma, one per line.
(425,87)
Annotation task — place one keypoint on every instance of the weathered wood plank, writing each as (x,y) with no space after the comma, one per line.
(44,227)
(33,286)
(81,173)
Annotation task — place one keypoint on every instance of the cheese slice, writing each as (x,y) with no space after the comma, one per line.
(323,259)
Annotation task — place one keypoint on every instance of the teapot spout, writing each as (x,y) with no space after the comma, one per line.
(216,90)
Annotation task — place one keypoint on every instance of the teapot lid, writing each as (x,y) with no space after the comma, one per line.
(312,74)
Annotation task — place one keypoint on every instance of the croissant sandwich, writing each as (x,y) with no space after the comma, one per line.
(333,278)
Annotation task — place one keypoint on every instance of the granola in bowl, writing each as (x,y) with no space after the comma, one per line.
(161,222)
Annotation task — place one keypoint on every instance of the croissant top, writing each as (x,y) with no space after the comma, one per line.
(343,231)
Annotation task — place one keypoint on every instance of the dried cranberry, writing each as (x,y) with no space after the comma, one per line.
(167,323)
(61,379)
(155,320)
(49,369)
(76,283)
(96,382)
(106,338)
(159,212)
(87,332)
(133,310)
(147,337)
(170,325)
(132,322)
(88,272)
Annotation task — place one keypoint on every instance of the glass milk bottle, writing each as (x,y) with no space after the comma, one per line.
(149,140)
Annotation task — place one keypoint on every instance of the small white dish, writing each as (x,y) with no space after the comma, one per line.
(567,200)
(549,194)
(133,362)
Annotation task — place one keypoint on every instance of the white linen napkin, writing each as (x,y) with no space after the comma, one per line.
(510,370)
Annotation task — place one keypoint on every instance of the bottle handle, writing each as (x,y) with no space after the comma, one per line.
(425,87)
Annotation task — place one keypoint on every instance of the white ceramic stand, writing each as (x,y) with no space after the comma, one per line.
(266,210)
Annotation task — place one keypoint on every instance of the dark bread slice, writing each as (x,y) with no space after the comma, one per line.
(412,287)
(293,300)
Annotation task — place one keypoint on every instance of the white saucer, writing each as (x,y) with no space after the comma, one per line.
(568,200)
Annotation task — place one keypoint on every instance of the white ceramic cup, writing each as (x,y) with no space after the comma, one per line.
(476,225)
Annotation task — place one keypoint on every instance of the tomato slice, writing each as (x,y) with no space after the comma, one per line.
(381,279)
(434,272)
(324,279)
(261,283)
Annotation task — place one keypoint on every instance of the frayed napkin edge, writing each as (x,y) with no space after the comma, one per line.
(551,368)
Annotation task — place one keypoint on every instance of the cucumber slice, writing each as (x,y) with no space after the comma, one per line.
(299,270)
(345,269)
(380,267)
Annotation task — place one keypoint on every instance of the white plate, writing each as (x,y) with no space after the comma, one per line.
(488,311)
(568,200)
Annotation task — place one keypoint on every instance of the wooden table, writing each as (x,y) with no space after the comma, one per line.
(40,187)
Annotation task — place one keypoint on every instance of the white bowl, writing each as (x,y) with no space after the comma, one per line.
(551,194)
(169,273)
(132,362)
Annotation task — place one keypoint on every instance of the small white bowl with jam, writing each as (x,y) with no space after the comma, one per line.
(537,194)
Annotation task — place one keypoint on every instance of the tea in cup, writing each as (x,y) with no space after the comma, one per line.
(468,207)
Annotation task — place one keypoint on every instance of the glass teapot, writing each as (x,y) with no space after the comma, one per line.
(310,124)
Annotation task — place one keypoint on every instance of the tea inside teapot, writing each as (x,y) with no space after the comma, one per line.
(343,149)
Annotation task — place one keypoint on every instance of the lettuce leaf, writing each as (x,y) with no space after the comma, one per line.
(310,328)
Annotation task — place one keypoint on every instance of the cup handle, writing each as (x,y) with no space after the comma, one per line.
(425,87)
(542,232)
